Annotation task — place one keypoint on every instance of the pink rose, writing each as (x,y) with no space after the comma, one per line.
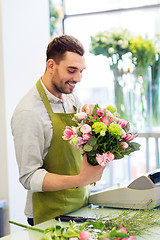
(68,132)
(110,156)
(84,235)
(85,128)
(86,136)
(121,122)
(129,137)
(124,145)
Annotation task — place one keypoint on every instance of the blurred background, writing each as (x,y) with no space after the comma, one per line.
(121,40)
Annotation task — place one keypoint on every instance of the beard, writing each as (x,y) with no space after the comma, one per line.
(60,85)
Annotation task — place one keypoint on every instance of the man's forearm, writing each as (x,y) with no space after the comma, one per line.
(88,174)
(55,182)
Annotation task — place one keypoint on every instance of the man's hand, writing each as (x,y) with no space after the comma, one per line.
(88,173)
(88,108)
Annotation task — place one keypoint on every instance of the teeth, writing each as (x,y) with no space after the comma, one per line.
(72,84)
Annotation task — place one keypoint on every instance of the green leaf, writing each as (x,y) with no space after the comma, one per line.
(48,236)
(135,146)
(115,233)
(92,141)
(97,225)
(118,155)
(72,233)
(95,147)
(91,153)
(87,148)
(127,127)
(94,109)
(58,230)
(92,160)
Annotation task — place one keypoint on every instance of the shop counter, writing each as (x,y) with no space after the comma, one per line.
(88,211)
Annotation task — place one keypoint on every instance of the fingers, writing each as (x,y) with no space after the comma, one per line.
(89,173)
(88,108)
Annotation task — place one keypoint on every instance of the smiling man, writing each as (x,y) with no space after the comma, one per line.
(52,170)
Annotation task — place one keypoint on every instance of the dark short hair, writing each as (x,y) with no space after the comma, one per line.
(60,45)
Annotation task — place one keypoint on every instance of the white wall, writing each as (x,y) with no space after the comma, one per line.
(25,35)
(3,149)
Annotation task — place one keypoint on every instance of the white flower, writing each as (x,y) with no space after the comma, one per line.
(85,128)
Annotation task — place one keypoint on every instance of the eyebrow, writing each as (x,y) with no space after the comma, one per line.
(72,67)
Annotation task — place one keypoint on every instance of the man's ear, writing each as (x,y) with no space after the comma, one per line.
(50,64)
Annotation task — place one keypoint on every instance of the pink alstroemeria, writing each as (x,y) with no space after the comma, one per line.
(104,158)
(129,137)
(121,122)
(100,112)
(106,120)
(86,136)
(84,235)
(68,132)
(124,145)
(85,128)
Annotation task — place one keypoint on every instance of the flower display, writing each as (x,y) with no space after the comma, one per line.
(143,51)
(102,136)
(115,43)
(88,230)
(111,42)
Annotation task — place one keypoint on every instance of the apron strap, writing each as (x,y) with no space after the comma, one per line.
(44,98)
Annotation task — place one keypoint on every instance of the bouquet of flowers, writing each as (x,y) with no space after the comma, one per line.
(102,136)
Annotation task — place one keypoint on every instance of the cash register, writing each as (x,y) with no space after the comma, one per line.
(142,192)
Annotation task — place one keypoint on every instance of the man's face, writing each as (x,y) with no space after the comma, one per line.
(67,74)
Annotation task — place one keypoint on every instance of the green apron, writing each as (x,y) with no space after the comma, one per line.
(64,159)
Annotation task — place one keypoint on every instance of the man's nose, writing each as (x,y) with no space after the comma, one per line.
(77,77)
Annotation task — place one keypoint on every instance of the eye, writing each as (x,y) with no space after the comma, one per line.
(71,71)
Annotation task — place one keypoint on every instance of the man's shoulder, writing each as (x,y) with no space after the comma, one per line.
(29,102)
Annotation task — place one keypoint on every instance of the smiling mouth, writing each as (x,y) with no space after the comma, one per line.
(71,84)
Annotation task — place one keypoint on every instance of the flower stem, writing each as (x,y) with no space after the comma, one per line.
(25,226)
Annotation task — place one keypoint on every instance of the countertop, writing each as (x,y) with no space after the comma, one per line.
(83,212)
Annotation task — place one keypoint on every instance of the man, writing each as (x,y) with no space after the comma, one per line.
(51,169)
